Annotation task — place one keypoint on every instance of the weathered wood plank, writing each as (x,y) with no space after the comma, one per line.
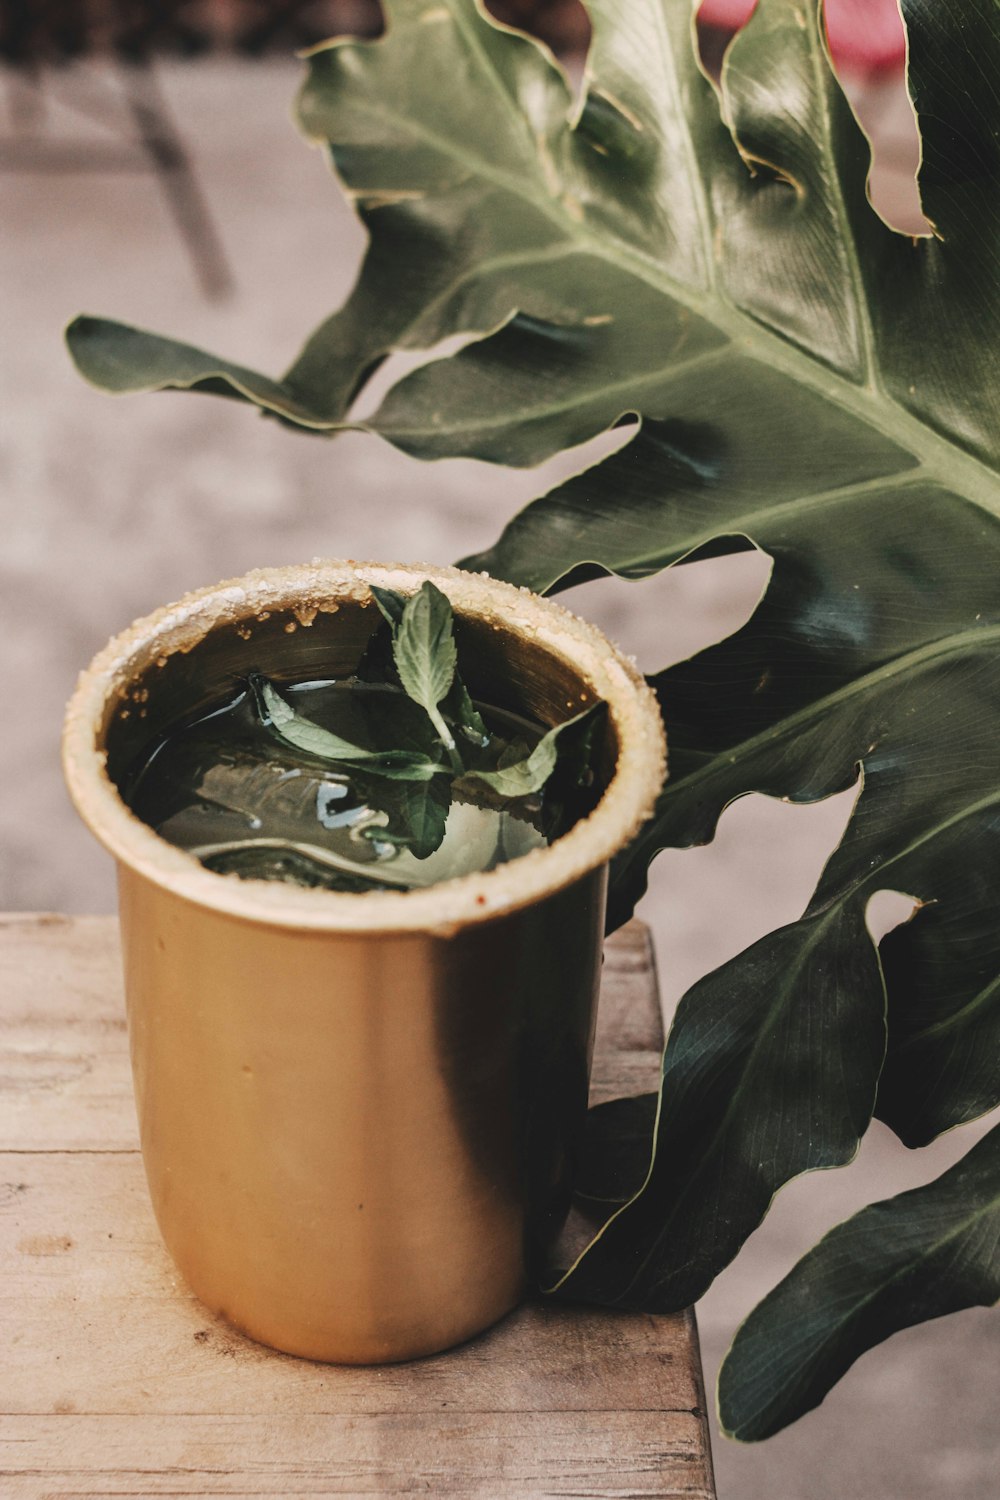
(444,1453)
(90,1298)
(64,1069)
(629,1025)
(117,1382)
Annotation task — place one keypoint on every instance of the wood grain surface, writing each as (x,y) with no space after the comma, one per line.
(115,1381)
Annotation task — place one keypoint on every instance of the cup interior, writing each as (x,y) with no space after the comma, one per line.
(501,667)
(518,652)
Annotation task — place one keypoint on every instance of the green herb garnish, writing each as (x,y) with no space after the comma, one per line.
(426,658)
(279,715)
(377,802)
(424,652)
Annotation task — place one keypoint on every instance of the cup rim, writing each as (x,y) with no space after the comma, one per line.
(445,907)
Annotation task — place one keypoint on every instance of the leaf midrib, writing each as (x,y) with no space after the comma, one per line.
(858,686)
(763,1037)
(943,459)
(690,155)
(822,74)
(939,1028)
(971,810)
(741,524)
(541,411)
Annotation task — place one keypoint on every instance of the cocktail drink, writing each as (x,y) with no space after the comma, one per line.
(360,1078)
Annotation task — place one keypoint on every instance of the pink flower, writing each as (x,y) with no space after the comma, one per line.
(865,35)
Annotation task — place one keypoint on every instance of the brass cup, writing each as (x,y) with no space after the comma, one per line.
(358,1112)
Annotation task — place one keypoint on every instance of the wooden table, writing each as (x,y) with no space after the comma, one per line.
(115,1381)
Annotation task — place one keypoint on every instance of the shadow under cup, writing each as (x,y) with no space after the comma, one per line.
(358,1112)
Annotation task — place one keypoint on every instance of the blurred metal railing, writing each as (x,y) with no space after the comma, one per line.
(122,96)
(59,30)
(38,38)
(48,31)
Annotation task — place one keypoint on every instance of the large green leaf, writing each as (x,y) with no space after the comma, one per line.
(808,382)
(769,1071)
(928,1252)
(828,674)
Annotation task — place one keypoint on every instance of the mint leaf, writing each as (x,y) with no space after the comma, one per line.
(423,649)
(456,706)
(418,814)
(279,715)
(391,605)
(522,777)
(459,709)
(573,790)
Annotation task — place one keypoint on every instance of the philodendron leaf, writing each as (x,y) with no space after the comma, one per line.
(872,483)
(892,674)
(926,1253)
(770,1020)
(402,765)
(118,358)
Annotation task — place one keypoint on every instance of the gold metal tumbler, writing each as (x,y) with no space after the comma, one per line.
(358,1112)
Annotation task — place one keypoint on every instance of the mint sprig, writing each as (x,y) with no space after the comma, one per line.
(529,773)
(424,651)
(279,715)
(425,659)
